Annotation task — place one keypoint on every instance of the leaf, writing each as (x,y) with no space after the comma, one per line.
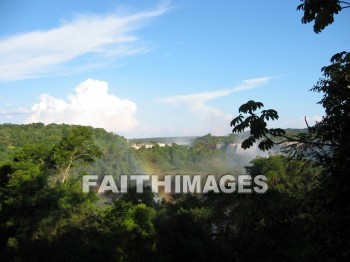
(270,113)
(236,120)
(276,131)
(266,144)
(250,106)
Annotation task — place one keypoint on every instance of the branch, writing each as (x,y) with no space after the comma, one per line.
(281,142)
(307,124)
(82,154)
(308,142)
(343,2)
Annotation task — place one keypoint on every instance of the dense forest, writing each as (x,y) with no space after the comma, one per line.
(303,216)
(45,214)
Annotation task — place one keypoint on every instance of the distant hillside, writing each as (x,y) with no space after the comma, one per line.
(117,157)
(182,140)
(188,140)
(215,154)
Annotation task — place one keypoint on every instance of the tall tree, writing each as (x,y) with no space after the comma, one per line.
(326,143)
(76,146)
(321,12)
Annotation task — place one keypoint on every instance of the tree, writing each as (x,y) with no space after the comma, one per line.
(327,143)
(328,140)
(321,11)
(77,145)
(33,212)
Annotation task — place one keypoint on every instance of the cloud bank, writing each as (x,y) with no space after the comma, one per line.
(92,37)
(13,113)
(91,105)
(215,120)
(200,98)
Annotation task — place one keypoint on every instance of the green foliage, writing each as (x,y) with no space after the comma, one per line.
(32,210)
(39,218)
(257,124)
(76,146)
(322,12)
(270,226)
(116,157)
(205,155)
(184,231)
(325,211)
(336,101)
(325,144)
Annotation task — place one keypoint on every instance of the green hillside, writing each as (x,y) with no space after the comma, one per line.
(45,214)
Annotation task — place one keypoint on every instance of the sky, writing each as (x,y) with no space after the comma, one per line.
(160,68)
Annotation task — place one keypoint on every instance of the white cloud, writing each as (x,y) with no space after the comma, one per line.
(215,120)
(13,113)
(201,98)
(90,105)
(300,122)
(40,53)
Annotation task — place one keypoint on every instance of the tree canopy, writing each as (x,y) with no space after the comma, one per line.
(321,12)
(325,144)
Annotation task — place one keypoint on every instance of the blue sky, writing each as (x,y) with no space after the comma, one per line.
(160,68)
